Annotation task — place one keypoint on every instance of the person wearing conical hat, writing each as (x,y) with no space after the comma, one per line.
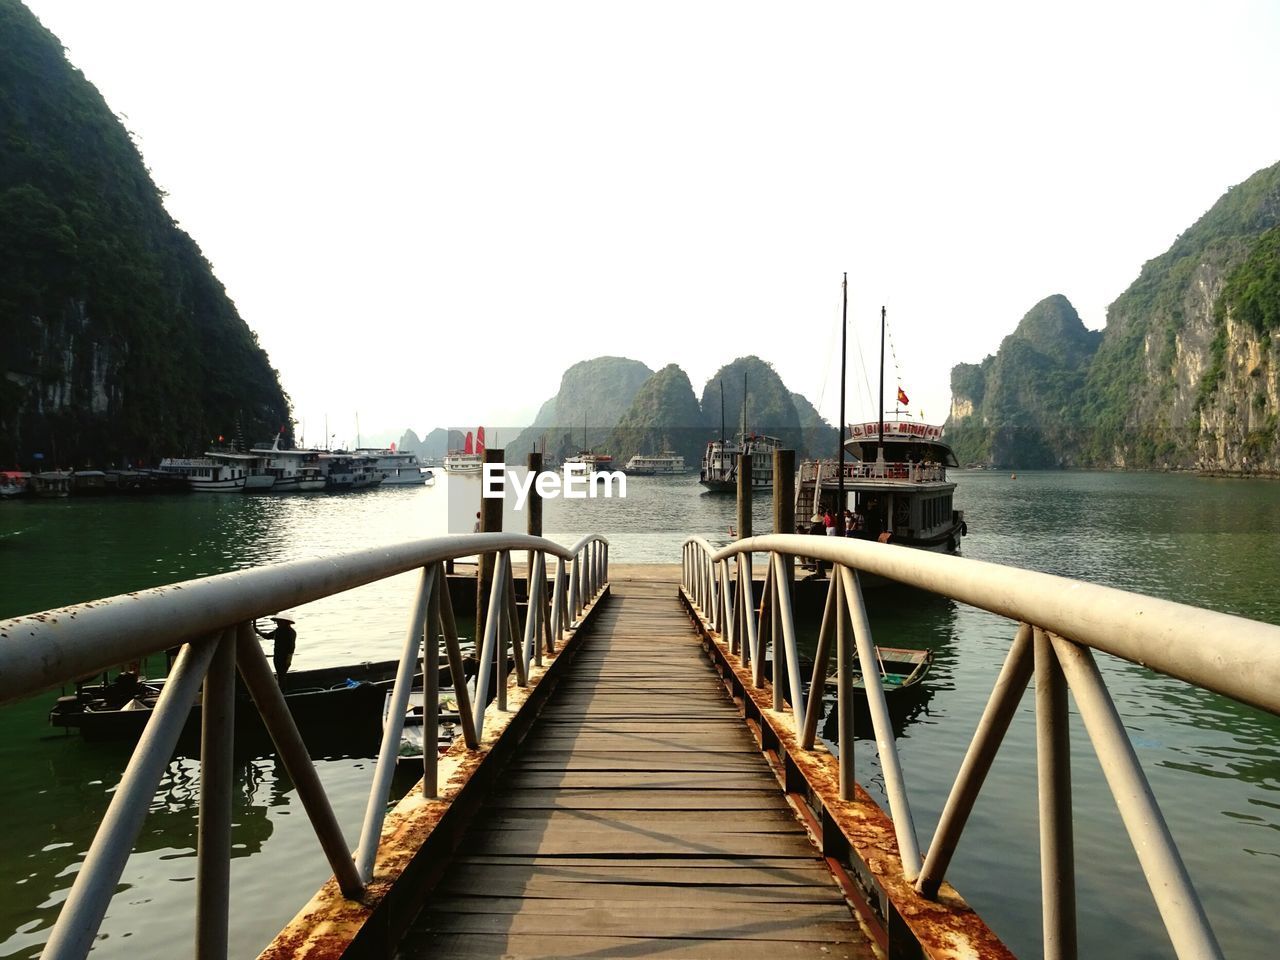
(284,640)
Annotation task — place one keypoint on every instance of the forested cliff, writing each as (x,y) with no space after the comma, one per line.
(116,340)
(1186,374)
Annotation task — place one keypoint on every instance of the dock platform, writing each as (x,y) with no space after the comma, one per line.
(640,819)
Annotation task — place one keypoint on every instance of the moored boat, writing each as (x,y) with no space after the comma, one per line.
(398,467)
(205,474)
(721,460)
(293,471)
(14,483)
(666,463)
(896,491)
(469,459)
(51,483)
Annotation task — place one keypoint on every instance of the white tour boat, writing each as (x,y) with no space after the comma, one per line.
(399,468)
(720,461)
(293,470)
(666,463)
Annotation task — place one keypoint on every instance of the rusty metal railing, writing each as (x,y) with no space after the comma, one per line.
(1060,621)
(212,620)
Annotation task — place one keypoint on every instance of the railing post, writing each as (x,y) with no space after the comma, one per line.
(498,612)
(217,782)
(557,606)
(751,638)
(1053,763)
(844,689)
(764,634)
(821,656)
(490,522)
(783,586)
(449,627)
(777,639)
(513,628)
(1175,897)
(531,649)
(81,915)
(431,687)
(255,670)
(488,651)
(1003,702)
(376,808)
(894,781)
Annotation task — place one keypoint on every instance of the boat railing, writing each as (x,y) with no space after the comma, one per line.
(1059,623)
(872,470)
(212,621)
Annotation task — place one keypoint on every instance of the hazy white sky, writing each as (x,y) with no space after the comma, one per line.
(428,211)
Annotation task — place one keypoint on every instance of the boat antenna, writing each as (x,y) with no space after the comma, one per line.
(880,425)
(844,336)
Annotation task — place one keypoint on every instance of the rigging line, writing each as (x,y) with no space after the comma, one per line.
(862,364)
(826,371)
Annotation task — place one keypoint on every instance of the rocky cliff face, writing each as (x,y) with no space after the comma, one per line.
(593,396)
(116,340)
(664,415)
(1184,376)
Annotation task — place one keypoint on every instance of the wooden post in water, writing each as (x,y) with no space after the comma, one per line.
(784,502)
(534,506)
(490,522)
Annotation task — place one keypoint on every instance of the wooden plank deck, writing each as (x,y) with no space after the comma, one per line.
(638,819)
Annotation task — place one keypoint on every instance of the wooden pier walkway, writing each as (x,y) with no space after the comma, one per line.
(638,819)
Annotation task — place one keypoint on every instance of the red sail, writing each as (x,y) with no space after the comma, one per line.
(466,447)
(480,440)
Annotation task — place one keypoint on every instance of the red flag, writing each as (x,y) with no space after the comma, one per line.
(480,440)
(902,397)
(466,447)
(393,446)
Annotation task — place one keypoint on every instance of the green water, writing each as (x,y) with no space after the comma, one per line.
(1215,766)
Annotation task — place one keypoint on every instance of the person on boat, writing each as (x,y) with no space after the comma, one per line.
(818,528)
(829,524)
(284,640)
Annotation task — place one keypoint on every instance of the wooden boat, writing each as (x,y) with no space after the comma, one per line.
(337,709)
(900,670)
(413,733)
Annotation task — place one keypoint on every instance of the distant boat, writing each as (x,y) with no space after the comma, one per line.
(398,467)
(467,460)
(666,463)
(721,460)
(293,471)
(14,483)
(593,462)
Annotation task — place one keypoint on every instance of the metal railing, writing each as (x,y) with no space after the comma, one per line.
(1060,621)
(213,620)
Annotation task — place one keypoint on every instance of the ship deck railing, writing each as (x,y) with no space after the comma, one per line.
(1058,623)
(828,471)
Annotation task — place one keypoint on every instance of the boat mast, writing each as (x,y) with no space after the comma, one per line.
(880,425)
(844,336)
(722,447)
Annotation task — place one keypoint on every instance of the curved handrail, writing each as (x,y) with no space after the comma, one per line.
(1060,621)
(1166,636)
(40,650)
(211,621)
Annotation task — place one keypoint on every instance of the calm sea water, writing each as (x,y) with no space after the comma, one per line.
(1215,765)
